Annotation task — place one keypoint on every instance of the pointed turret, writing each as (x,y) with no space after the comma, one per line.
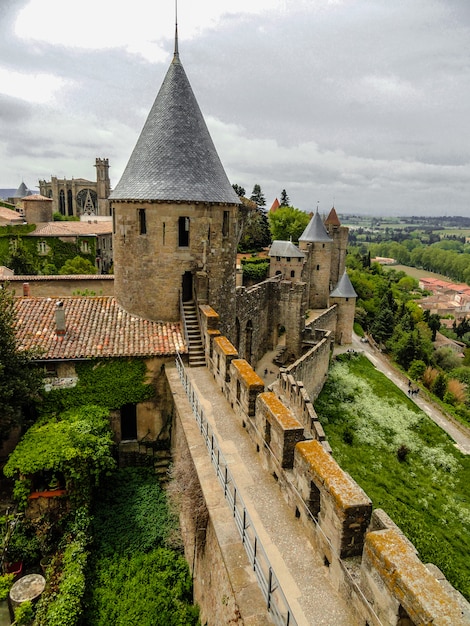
(344,297)
(315,231)
(175,213)
(22,191)
(332,218)
(344,288)
(174,158)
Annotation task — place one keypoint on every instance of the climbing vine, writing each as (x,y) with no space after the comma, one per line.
(110,383)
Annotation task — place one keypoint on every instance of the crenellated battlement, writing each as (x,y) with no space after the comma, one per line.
(368,558)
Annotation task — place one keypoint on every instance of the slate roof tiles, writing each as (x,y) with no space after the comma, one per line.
(95,326)
(174,158)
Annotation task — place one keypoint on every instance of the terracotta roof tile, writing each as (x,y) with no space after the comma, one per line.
(95,326)
(73,229)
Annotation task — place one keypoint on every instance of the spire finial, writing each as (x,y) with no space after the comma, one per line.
(176,28)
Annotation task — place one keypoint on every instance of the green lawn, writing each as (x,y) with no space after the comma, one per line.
(370,423)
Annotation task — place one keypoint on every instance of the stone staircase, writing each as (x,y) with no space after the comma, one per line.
(196,348)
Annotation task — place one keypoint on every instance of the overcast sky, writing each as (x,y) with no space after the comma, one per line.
(363,104)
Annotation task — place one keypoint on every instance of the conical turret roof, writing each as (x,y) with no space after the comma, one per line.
(174,158)
(344,288)
(22,191)
(333,218)
(315,231)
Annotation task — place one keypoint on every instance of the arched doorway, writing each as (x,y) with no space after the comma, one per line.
(187,286)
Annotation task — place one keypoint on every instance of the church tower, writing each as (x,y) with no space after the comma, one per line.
(103,185)
(175,213)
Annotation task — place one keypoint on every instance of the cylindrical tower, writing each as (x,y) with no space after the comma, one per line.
(344,296)
(175,214)
(316,244)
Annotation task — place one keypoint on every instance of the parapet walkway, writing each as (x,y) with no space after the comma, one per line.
(300,572)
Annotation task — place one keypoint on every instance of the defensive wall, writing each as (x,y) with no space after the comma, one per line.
(366,556)
(265,309)
(61,285)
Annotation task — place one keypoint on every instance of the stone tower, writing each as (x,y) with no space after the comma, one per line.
(103,185)
(175,213)
(339,235)
(316,245)
(345,297)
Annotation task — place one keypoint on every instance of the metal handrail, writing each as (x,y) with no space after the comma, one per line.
(276,601)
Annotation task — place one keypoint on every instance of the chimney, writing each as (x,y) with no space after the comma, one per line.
(26,290)
(60,318)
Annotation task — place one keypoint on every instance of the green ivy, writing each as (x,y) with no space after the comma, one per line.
(59,251)
(61,603)
(78,444)
(135,576)
(109,383)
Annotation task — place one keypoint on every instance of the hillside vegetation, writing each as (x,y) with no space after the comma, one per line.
(405,463)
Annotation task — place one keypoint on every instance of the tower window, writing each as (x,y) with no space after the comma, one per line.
(318,267)
(142,221)
(183,232)
(288,259)
(278,258)
(225,224)
(292,274)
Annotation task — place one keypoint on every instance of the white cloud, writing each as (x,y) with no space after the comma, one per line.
(39,88)
(141,27)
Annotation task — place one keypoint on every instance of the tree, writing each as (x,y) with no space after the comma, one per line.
(21,261)
(78,265)
(284,199)
(256,234)
(20,379)
(288,223)
(258,196)
(434,323)
(240,191)
(439,386)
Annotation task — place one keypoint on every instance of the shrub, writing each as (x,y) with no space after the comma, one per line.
(402,453)
(416,369)
(439,386)
(458,390)
(24,614)
(429,376)
(6,583)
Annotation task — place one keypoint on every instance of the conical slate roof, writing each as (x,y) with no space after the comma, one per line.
(174,158)
(22,191)
(344,288)
(315,231)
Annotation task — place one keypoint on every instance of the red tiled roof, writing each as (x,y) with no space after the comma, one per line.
(72,229)
(274,206)
(333,218)
(95,326)
(35,197)
(9,214)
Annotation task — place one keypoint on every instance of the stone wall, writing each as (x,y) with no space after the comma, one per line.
(312,367)
(59,286)
(225,586)
(367,557)
(175,249)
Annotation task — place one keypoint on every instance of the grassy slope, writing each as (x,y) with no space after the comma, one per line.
(427,495)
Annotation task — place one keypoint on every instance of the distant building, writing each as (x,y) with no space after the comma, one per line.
(78,196)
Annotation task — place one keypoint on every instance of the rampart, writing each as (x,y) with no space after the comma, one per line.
(366,556)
